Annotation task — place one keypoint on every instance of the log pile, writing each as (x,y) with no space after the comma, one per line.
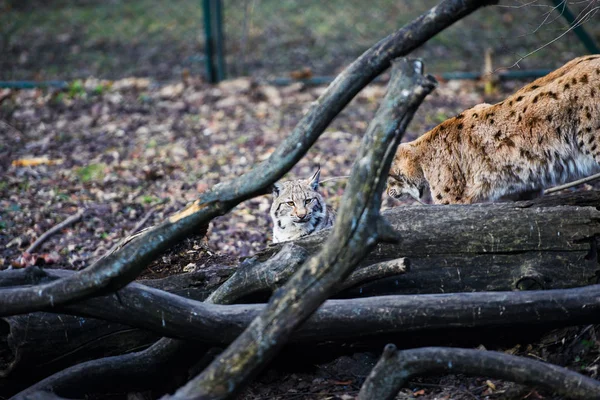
(72,334)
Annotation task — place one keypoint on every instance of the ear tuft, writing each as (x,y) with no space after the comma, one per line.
(276,189)
(314,180)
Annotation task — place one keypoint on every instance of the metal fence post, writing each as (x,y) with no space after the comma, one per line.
(581,33)
(214,40)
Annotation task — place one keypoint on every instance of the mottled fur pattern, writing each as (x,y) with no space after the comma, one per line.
(298,209)
(546,133)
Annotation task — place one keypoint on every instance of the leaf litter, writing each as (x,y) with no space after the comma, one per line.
(133,146)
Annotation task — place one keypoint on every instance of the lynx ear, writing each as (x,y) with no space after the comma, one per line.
(314,180)
(276,189)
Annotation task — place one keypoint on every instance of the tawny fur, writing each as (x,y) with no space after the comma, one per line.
(545,134)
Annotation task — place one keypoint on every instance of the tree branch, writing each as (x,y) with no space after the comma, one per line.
(56,228)
(252,277)
(354,235)
(175,316)
(396,368)
(121,267)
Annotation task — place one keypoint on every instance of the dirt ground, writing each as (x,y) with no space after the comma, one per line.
(128,153)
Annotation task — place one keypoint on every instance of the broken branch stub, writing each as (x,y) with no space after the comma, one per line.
(355,233)
(395,368)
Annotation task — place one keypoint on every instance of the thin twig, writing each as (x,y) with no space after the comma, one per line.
(134,232)
(56,228)
(571,184)
(575,24)
(335,178)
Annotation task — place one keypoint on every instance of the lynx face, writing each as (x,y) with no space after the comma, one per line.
(546,133)
(398,186)
(298,209)
(405,177)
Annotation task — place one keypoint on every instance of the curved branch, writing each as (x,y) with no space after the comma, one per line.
(252,277)
(130,371)
(125,372)
(355,233)
(175,316)
(396,368)
(121,267)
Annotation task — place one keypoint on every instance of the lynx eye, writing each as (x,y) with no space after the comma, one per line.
(308,201)
(290,203)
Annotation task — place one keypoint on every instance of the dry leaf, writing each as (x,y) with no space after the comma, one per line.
(32,162)
(348,382)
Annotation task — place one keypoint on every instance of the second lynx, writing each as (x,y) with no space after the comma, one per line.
(546,133)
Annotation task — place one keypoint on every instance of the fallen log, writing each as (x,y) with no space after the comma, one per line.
(486,247)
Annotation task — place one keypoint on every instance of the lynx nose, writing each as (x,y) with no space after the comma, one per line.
(301,214)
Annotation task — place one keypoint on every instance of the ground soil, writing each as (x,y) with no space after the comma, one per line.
(130,152)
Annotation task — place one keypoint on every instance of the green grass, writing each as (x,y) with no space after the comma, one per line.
(91,172)
(146,199)
(72,40)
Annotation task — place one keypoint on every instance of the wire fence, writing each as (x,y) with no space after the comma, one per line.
(112,39)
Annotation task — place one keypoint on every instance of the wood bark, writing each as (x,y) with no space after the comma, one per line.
(396,368)
(34,345)
(66,343)
(486,247)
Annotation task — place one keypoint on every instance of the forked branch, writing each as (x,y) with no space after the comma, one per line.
(115,271)
(357,230)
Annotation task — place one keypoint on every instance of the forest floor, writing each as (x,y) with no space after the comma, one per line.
(128,153)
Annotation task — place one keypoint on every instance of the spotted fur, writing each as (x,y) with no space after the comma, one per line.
(546,133)
(298,209)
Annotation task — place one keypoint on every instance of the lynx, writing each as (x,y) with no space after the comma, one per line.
(298,209)
(546,133)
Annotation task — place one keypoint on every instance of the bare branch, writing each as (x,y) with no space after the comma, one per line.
(396,368)
(56,228)
(175,316)
(354,235)
(118,269)
(572,184)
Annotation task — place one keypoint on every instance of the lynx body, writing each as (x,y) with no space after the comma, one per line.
(546,133)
